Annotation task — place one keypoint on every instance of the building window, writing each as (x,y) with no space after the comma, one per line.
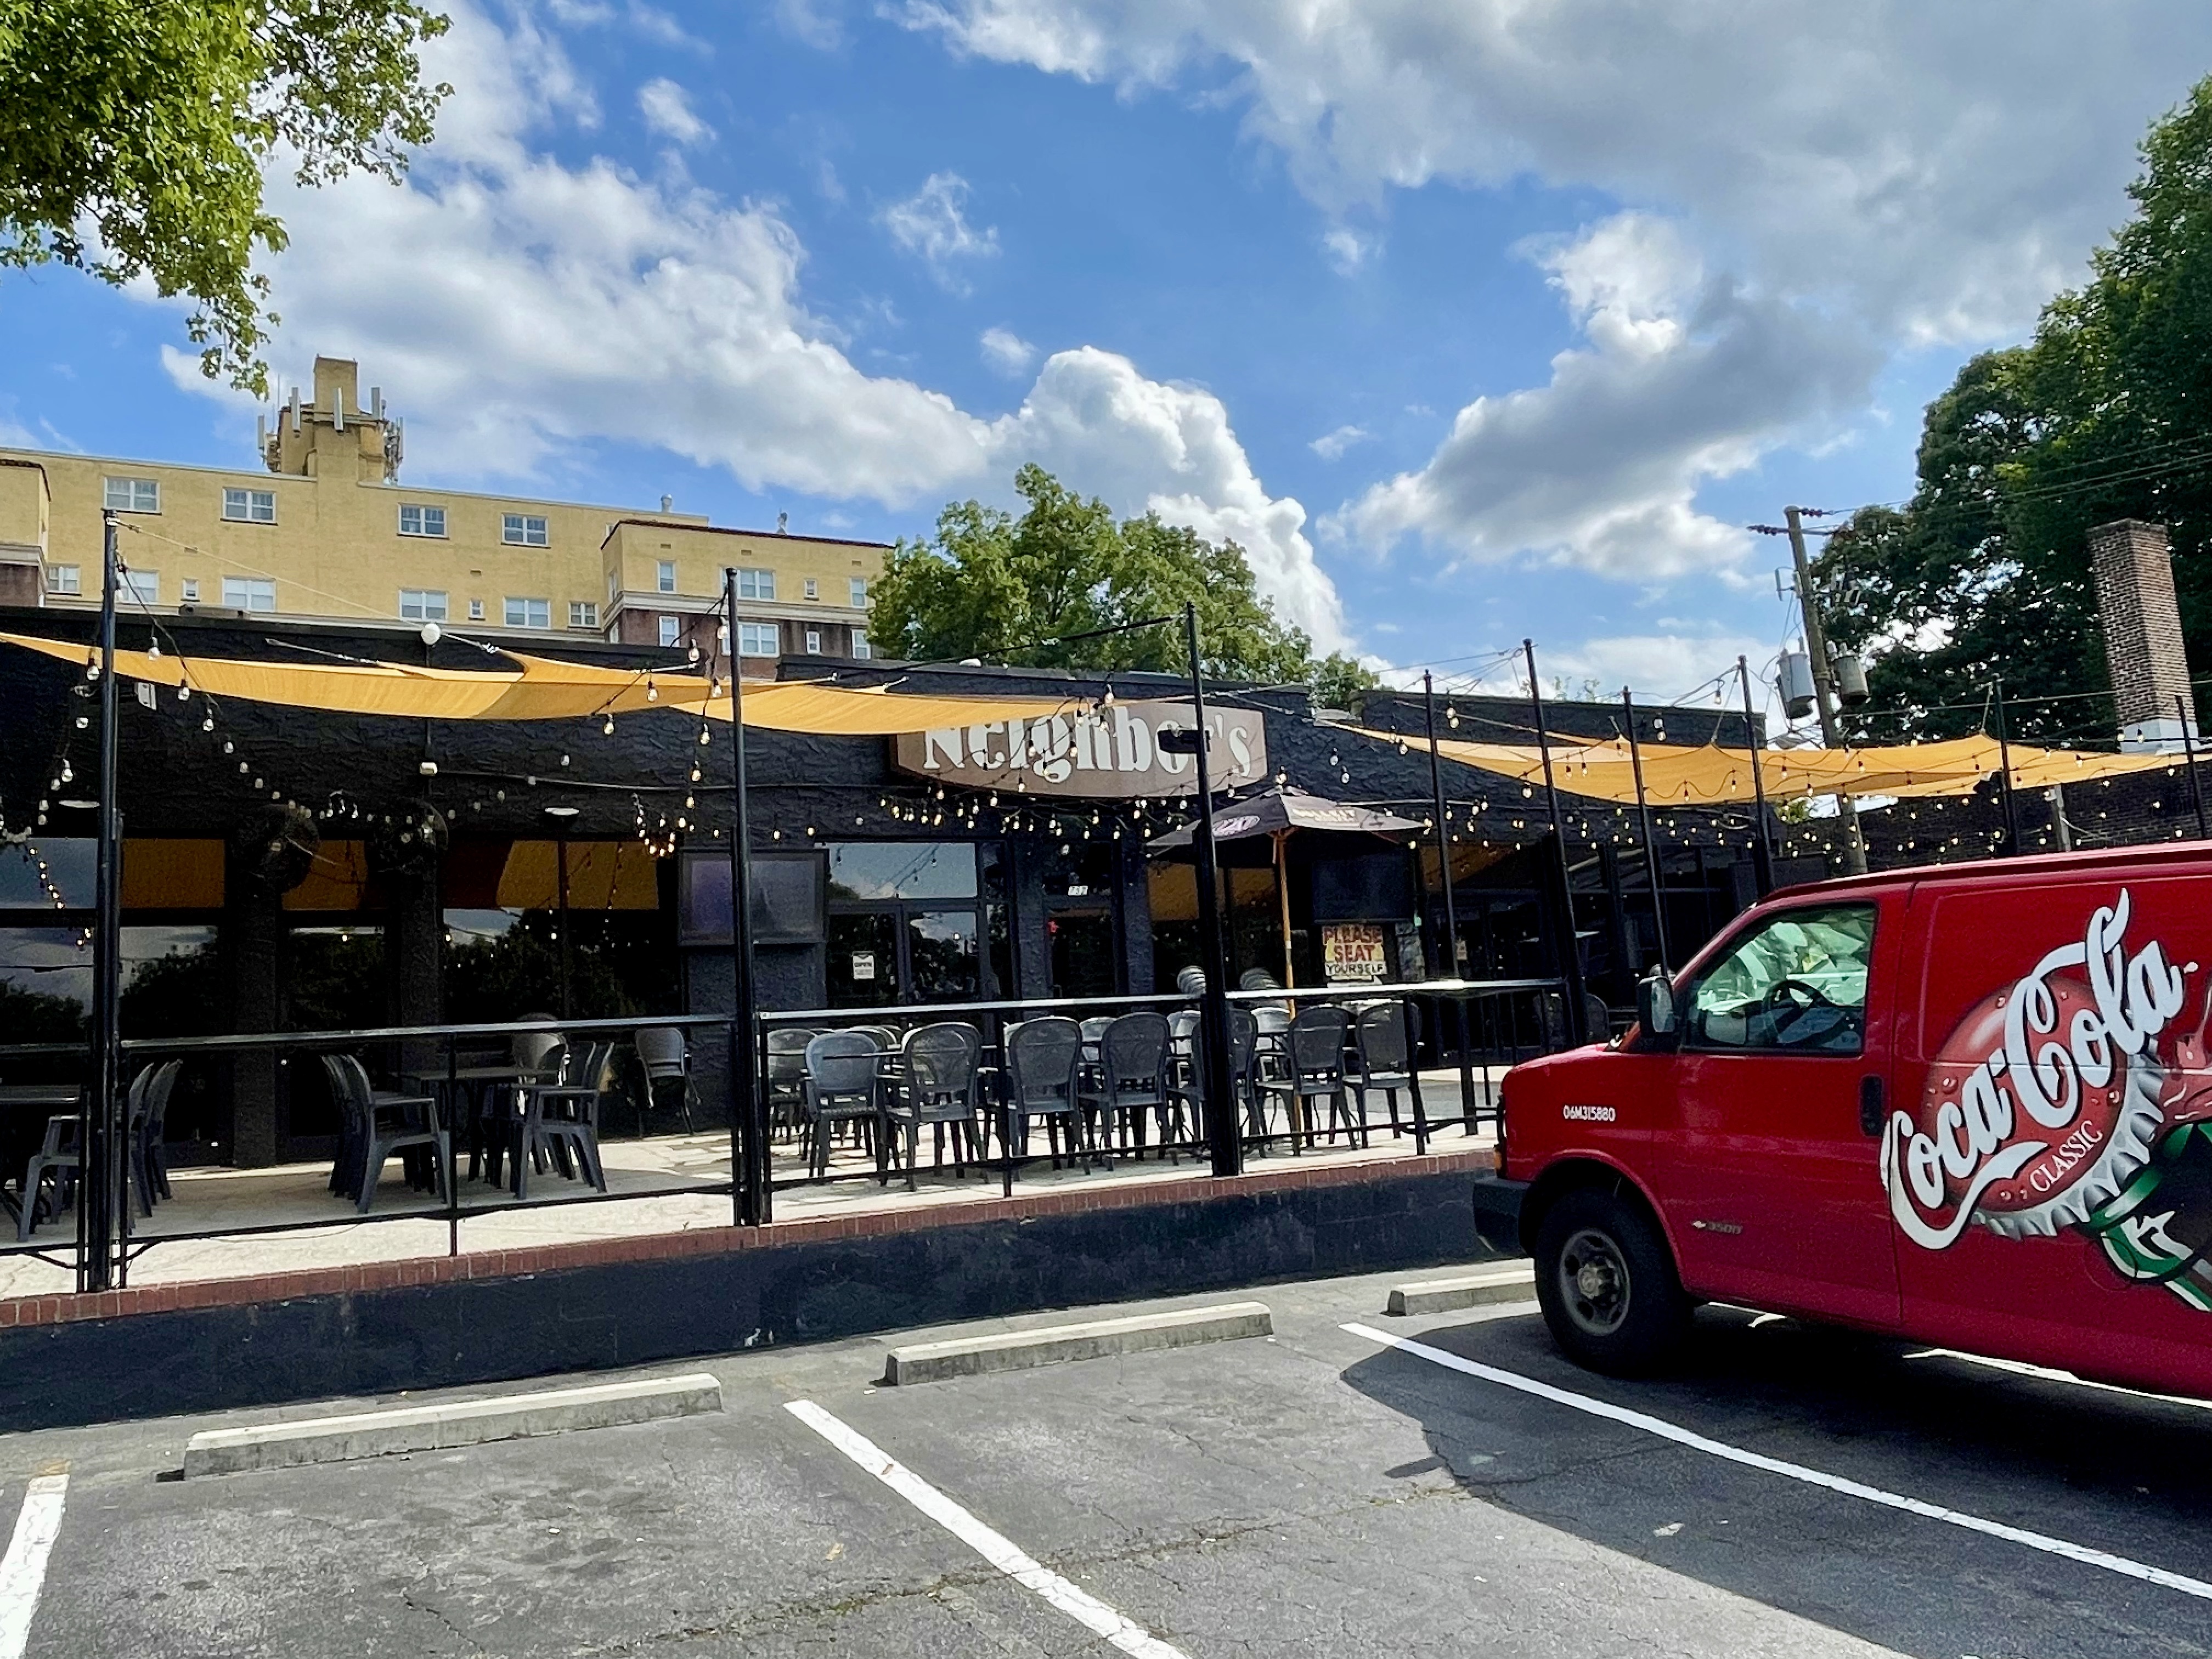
(131,495)
(814,588)
(475,609)
(857,587)
(64,579)
(143,585)
(191,585)
(861,649)
(250,506)
(813,642)
(523,530)
(756,584)
(249,593)
(758,640)
(421,605)
(423,521)
(529,613)
(672,630)
(665,575)
(583,613)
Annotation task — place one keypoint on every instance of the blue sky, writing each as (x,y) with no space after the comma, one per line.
(1581,286)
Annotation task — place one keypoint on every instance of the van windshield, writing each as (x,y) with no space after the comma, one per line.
(1797,981)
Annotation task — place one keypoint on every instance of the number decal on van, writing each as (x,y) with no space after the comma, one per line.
(1588,1114)
(2060,1102)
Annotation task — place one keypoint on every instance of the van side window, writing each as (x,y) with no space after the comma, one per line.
(1796,984)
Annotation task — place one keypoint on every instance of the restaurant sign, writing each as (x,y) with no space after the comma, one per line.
(1105,752)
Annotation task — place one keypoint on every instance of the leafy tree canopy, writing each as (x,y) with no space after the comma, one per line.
(134,135)
(989,585)
(2105,414)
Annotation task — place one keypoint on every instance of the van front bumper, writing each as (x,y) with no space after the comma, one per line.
(1497,1212)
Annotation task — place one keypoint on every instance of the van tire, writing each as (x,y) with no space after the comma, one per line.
(1607,1283)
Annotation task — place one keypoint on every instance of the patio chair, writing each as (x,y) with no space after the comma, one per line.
(147,1104)
(391,1123)
(1383,1035)
(841,1086)
(1043,1057)
(155,1146)
(56,1160)
(1314,1069)
(885,1039)
(665,1055)
(786,1059)
(556,1119)
(939,1087)
(1130,1080)
(1189,1095)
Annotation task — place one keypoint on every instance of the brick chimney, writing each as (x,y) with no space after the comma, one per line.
(2142,634)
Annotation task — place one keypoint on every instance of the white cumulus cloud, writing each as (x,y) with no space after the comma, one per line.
(517,307)
(1331,445)
(933,225)
(667,111)
(1007,352)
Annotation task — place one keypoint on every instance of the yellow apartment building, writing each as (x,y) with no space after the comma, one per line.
(325,530)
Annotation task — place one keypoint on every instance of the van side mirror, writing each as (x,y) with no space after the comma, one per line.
(1655,1005)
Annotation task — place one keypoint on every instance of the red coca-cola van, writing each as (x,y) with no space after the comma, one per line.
(1967,1105)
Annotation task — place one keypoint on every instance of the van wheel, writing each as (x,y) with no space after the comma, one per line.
(1607,1284)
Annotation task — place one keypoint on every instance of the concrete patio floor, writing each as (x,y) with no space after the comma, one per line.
(668,1176)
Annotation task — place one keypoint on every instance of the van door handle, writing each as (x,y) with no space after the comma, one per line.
(1871,1109)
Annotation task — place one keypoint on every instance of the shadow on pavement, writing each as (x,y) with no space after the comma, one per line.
(2123,1473)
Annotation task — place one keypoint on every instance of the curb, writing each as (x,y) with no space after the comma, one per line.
(1514,1281)
(453,1423)
(1013,1351)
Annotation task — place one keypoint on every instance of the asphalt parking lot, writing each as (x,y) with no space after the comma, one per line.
(1318,1492)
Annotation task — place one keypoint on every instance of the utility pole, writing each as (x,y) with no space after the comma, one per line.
(1824,681)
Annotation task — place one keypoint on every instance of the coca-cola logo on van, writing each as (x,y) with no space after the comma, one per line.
(2050,1097)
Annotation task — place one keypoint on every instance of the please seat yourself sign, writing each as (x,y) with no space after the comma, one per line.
(1098,753)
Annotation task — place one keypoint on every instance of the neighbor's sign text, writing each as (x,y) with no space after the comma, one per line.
(1108,752)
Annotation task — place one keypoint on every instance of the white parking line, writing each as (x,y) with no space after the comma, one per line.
(23,1569)
(995,1548)
(1682,1436)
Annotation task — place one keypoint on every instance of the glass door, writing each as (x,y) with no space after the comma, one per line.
(863,964)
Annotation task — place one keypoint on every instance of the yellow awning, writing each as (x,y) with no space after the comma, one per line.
(545,689)
(1676,775)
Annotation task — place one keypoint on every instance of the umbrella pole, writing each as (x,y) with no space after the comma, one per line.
(1283,895)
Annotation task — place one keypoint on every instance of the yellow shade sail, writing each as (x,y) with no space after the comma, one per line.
(1676,775)
(545,689)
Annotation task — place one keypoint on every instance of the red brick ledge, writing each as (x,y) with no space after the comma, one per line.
(32,1310)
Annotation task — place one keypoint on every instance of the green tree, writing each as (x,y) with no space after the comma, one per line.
(2105,414)
(134,137)
(992,585)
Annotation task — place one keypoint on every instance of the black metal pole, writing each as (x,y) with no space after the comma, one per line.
(2189,753)
(2004,770)
(1570,960)
(1762,849)
(96,1205)
(1450,969)
(1443,837)
(561,852)
(1221,1127)
(753,1200)
(1651,869)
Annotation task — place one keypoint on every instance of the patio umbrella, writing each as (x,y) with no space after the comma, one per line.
(1277,814)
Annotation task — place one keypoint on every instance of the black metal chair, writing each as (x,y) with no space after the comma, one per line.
(387,1123)
(149,1106)
(938,1085)
(1189,1094)
(57,1160)
(1043,1057)
(665,1056)
(556,1119)
(784,1059)
(1384,1035)
(843,1085)
(1313,1059)
(1130,1078)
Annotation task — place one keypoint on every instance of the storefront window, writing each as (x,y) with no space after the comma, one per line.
(510,903)
(35,872)
(893,938)
(941,954)
(864,870)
